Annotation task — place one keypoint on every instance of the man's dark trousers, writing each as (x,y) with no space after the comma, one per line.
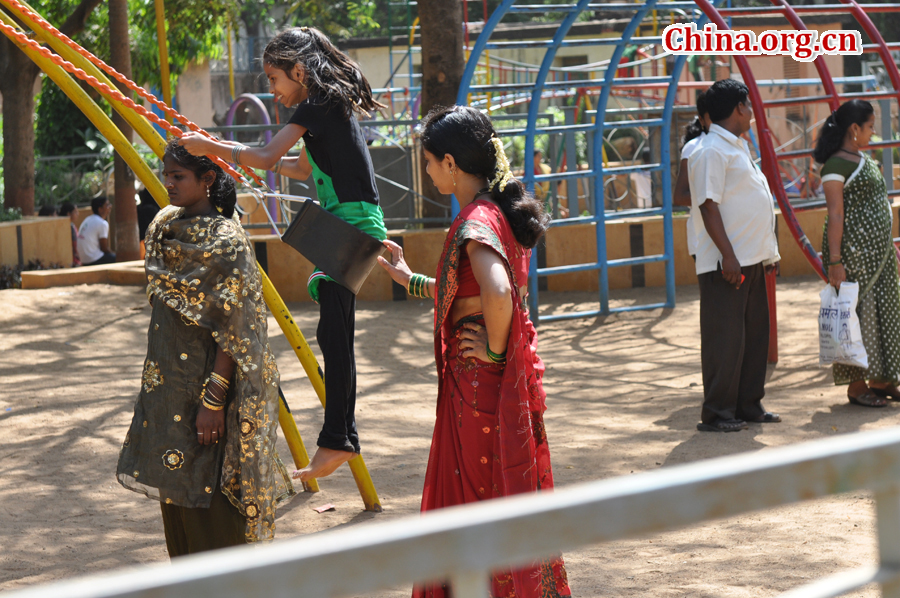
(734,345)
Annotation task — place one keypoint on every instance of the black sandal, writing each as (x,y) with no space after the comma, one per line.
(723,425)
(766,418)
(868,399)
(884,393)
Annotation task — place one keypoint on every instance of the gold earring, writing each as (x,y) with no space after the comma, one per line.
(453,176)
(208,193)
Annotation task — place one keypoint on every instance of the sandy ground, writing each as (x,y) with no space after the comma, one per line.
(624,396)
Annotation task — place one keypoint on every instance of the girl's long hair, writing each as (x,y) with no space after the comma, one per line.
(465,133)
(835,128)
(329,73)
(695,128)
(222,193)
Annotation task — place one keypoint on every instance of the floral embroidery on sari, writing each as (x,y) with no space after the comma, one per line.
(204,269)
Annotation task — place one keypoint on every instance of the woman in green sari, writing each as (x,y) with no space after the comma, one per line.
(202,439)
(858,247)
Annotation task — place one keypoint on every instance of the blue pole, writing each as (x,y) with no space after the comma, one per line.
(598,168)
(533,111)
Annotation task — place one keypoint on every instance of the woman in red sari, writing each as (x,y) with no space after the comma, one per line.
(489,438)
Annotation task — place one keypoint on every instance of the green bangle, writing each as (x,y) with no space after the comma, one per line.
(495,357)
(418,286)
(837,263)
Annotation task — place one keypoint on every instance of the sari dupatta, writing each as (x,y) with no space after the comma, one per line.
(204,269)
(521,442)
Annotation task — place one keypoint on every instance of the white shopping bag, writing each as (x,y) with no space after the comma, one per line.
(840,337)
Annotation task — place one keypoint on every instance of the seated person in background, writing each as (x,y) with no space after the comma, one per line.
(93,236)
(146,211)
(47,211)
(71,211)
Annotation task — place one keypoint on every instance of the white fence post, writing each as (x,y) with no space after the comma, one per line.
(470,584)
(887,511)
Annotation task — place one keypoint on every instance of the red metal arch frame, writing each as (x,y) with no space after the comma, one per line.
(766,148)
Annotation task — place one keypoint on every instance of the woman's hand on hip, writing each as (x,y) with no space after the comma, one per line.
(473,341)
(396,266)
(210,426)
(836,275)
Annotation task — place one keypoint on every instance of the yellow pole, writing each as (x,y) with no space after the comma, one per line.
(311,367)
(163,52)
(230,62)
(140,124)
(294,442)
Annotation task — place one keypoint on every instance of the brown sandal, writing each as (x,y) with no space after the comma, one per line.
(867,399)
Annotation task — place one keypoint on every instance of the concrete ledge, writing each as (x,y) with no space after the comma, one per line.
(564,246)
(123,273)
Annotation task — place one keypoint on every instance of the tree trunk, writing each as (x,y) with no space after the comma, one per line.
(127,243)
(442,69)
(17,77)
(17,87)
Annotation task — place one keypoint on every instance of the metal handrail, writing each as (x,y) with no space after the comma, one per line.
(463,544)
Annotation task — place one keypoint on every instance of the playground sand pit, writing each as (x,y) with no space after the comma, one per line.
(624,396)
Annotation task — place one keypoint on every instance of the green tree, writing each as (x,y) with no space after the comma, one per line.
(195,29)
(18,75)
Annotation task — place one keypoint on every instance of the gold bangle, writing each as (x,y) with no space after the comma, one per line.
(220,378)
(210,402)
(217,384)
(207,396)
(213,406)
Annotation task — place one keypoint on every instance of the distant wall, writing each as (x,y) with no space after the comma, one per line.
(47,239)
(565,246)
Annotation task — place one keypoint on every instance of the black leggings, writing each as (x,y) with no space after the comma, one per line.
(337,322)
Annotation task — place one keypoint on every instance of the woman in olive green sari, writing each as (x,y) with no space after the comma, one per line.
(858,247)
(202,440)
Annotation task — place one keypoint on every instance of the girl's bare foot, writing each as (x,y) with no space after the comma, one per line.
(323,464)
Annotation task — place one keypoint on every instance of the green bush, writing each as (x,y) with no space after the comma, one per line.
(11,276)
(61,128)
(10,214)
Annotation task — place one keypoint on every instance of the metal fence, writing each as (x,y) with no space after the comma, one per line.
(463,544)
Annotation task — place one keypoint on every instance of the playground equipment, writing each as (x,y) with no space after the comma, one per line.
(650,110)
(74,60)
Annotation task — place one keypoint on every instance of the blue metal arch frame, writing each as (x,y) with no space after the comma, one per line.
(597,171)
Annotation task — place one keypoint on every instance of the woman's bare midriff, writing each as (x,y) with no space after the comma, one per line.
(466,306)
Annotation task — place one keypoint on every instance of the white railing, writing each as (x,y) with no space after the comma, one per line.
(462,544)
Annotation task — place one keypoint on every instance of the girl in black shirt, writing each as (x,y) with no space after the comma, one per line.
(306,70)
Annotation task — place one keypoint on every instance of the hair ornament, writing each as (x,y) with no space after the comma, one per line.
(502,175)
(304,29)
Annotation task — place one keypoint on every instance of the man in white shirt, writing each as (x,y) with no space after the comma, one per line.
(734,225)
(93,235)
